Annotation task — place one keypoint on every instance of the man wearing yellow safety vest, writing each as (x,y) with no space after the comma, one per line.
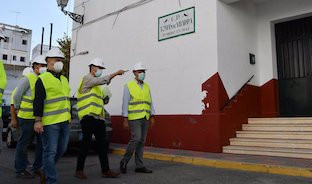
(23,103)
(52,114)
(13,111)
(91,113)
(3,83)
(137,110)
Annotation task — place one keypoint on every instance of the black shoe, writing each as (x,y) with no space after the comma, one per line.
(25,175)
(123,167)
(143,170)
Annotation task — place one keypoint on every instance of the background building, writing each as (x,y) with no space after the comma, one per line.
(36,50)
(15,54)
(15,49)
(195,77)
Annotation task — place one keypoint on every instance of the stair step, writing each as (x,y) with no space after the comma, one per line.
(282,152)
(281,143)
(278,127)
(275,134)
(297,120)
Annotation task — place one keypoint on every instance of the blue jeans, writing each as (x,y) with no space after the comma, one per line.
(54,139)
(27,134)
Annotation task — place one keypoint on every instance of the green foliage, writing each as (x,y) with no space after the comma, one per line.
(64,45)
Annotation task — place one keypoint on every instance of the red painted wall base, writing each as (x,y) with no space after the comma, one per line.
(210,131)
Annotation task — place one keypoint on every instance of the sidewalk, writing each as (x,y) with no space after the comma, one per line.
(264,164)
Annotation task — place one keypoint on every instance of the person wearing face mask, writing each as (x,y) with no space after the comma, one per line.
(23,105)
(92,118)
(137,111)
(52,114)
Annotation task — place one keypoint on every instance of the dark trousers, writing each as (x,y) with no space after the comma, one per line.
(91,126)
(27,134)
(138,130)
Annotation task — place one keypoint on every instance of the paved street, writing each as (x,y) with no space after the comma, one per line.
(164,173)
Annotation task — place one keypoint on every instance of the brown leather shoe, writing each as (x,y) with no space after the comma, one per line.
(81,175)
(42,178)
(41,174)
(110,174)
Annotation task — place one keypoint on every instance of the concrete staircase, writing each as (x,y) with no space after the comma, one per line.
(283,137)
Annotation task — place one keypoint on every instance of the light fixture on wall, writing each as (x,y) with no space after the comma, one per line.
(252,59)
(76,17)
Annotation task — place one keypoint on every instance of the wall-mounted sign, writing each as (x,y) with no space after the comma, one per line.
(176,24)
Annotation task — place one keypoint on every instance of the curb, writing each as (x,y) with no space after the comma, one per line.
(224,164)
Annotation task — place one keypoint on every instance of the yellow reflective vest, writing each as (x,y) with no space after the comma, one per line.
(140,104)
(3,83)
(91,102)
(26,110)
(56,105)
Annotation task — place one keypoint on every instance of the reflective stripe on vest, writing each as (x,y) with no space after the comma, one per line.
(91,102)
(26,110)
(140,104)
(56,105)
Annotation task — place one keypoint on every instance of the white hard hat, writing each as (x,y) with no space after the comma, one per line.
(97,62)
(55,53)
(39,60)
(106,91)
(139,66)
(27,70)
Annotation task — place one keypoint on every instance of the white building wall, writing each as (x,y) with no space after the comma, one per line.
(176,67)
(245,27)
(14,46)
(237,37)
(269,13)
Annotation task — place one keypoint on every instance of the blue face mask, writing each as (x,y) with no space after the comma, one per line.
(98,72)
(141,76)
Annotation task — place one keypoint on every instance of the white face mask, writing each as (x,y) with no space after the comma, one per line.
(42,70)
(58,66)
(99,72)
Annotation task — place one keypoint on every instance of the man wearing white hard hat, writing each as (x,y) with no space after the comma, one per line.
(137,111)
(52,113)
(92,118)
(23,103)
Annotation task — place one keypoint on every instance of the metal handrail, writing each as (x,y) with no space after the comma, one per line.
(231,99)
